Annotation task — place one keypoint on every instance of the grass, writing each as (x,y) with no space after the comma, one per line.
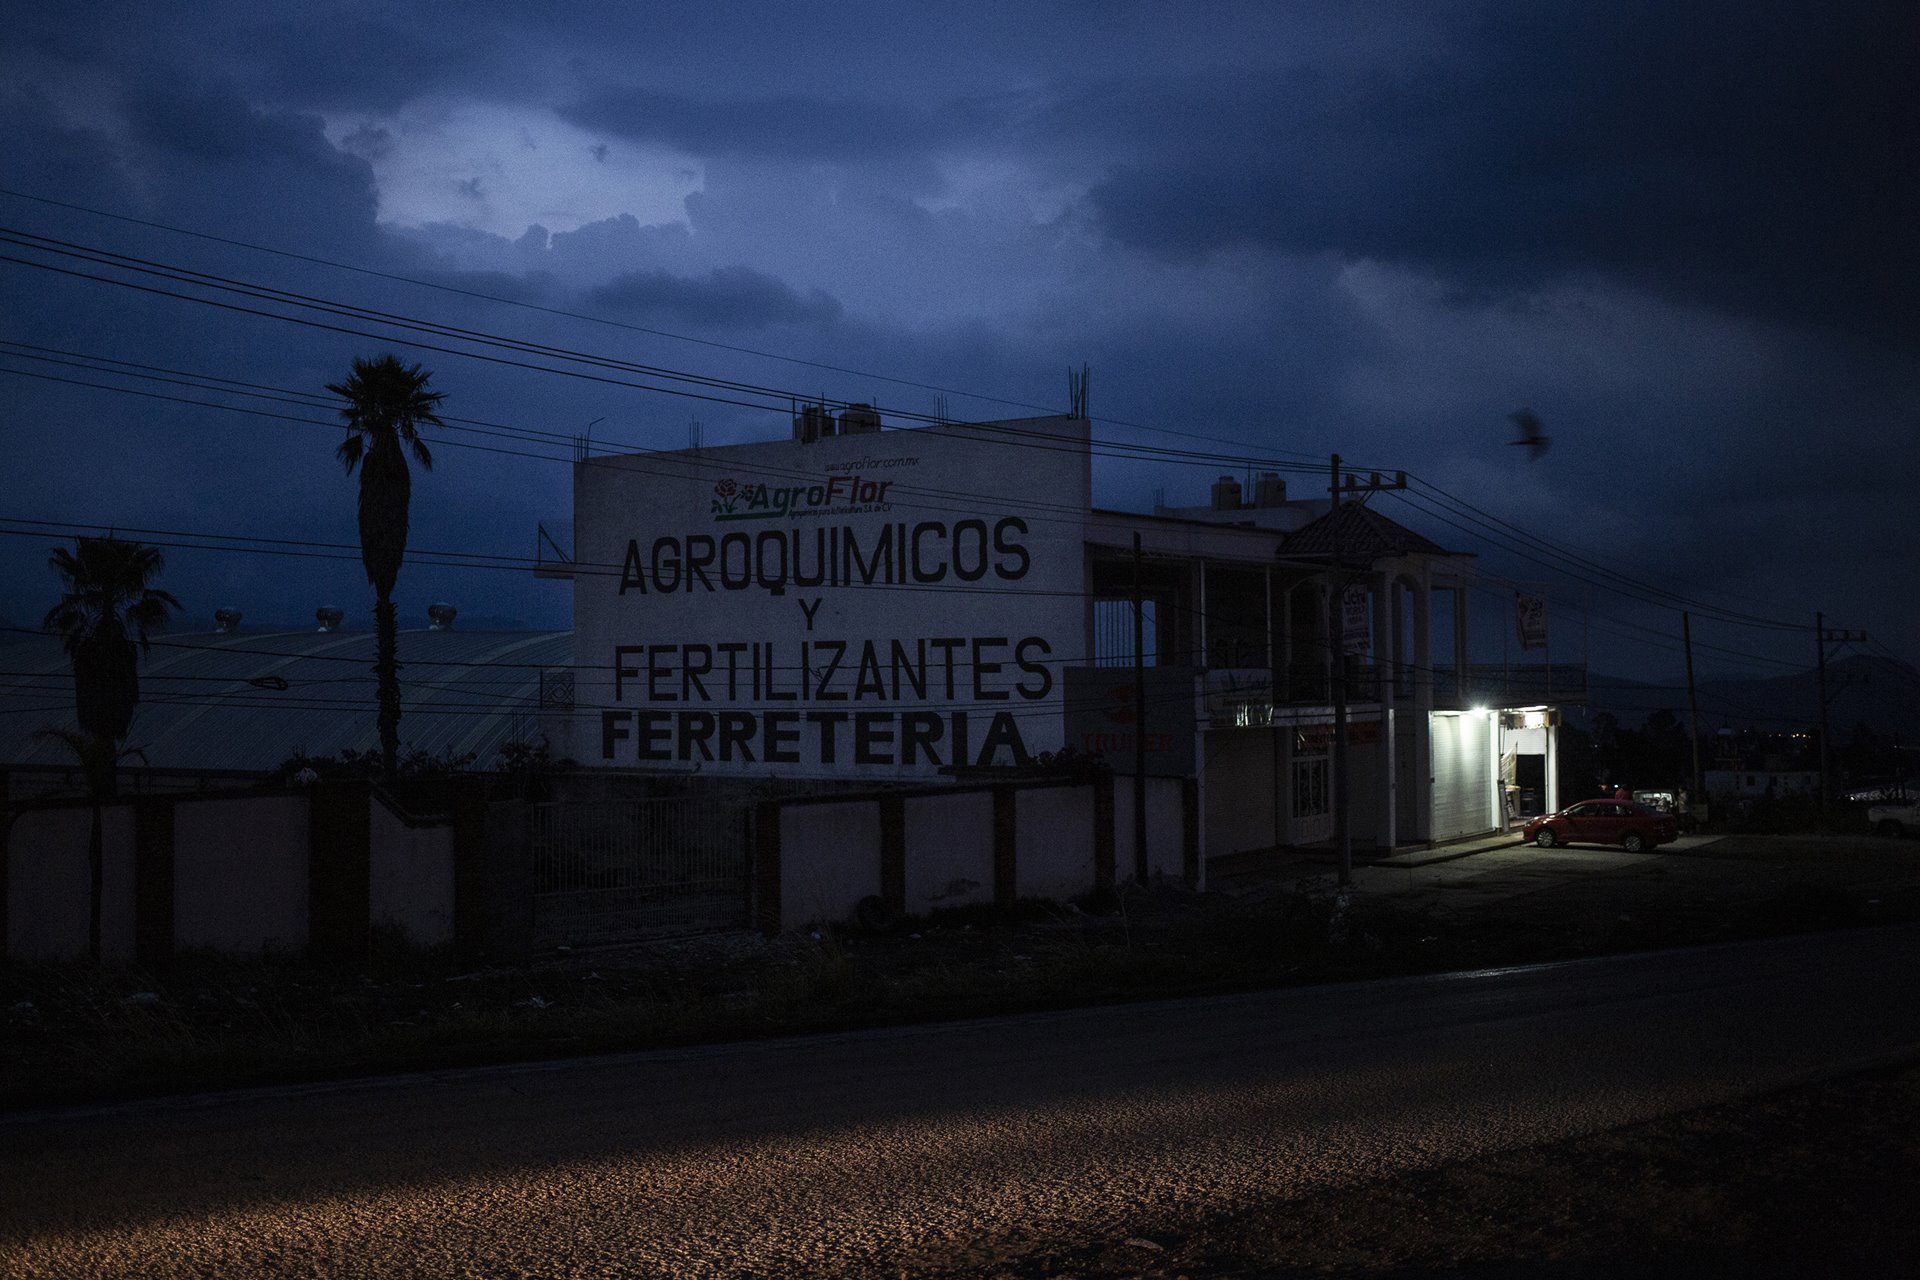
(74,1032)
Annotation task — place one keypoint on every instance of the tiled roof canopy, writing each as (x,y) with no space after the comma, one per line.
(1363,533)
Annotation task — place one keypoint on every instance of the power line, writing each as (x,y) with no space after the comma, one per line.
(1617,583)
(324,306)
(1626,584)
(1580,566)
(676,463)
(617,324)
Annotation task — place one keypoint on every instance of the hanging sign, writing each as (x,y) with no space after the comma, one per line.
(1530,615)
(1356,622)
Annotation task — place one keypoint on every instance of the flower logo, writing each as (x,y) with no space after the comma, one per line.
(727,495)
(726,488)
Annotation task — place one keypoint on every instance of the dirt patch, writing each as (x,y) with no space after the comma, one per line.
(1815,1181)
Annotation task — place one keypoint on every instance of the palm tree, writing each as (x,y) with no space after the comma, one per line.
(99,760)
(108,607)
(386,403)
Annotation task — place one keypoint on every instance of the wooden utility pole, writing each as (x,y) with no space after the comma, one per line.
(1820,643)
(1337,672)
(1693,712)
(1337,639)
(1823,638)
(1139,721)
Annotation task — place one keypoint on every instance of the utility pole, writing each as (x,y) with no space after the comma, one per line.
(1337,638)
(1823,638)
(1337,671)
(1820,643)
(1139,722)
(1693,711)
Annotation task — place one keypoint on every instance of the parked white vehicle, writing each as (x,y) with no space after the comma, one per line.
(1895,819)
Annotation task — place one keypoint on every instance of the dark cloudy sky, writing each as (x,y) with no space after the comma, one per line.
(1684,234)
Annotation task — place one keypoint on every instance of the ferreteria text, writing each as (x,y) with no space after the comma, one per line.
(828,738)
(899,553)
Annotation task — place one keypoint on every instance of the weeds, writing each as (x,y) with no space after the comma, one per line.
(75,1031)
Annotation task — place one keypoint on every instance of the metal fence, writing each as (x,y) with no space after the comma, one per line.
(609,871)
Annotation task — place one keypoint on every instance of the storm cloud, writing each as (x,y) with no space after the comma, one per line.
(1755,159)
(738,296)
(1683,234)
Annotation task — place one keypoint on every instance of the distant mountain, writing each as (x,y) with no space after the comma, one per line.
(1880,692)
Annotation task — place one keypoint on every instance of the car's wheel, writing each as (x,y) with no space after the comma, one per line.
(1633,842)
(1891,827)
(1546,839)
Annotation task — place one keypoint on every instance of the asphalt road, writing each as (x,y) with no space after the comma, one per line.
(936,1147)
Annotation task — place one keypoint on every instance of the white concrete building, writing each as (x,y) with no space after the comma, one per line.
(917,604)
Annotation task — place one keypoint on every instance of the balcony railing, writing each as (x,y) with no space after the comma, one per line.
(1515,684)
(1246,696)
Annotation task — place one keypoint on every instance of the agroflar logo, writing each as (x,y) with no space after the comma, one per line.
(749,500)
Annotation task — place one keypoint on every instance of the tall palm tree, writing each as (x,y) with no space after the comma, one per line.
(386,404)
(108,606)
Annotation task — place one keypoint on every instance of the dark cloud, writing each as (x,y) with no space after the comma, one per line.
(40,151)
(736,296)
(1377,234)
(786,127)
(370,142)
(206,157)
(374,62)
(1754,159)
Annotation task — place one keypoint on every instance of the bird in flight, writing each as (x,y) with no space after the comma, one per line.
(1531,436)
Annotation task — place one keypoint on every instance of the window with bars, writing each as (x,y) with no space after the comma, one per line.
(1113,633)
(1312,795)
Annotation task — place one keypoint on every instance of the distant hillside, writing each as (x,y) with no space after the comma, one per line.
(1876,691)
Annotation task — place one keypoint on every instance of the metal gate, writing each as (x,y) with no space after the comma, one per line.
(610,871)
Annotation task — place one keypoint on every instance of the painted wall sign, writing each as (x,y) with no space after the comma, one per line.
(1103,717)
(863,605)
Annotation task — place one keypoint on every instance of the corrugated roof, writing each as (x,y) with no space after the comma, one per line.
(1364,534)
(202,704)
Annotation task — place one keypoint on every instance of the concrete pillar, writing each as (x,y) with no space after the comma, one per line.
(1387,833)
(1460,641)
(1385,643)
(1283,645)
(1550,793)
(1420,782)
(1397,649)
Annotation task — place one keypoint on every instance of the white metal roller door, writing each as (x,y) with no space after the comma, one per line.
(1462,776)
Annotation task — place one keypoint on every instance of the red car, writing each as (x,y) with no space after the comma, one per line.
(1631,826)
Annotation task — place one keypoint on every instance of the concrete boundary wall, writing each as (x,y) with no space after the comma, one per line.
(912,851)
(949,851)
(240,874)
(411,877)
(47,893)
(314,870)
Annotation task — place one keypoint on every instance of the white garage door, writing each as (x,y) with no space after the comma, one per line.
(1462,776)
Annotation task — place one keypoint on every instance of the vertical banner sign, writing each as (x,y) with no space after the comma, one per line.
(1356,621)
(1530,614)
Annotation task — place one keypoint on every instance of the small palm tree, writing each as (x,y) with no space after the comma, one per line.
(386,404)
(108,608)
